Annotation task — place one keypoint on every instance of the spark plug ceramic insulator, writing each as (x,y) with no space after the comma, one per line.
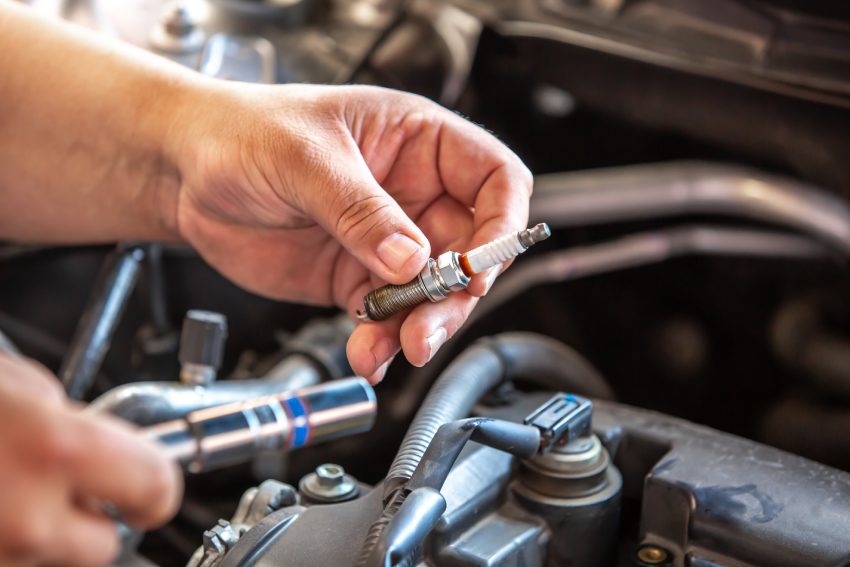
(449,272)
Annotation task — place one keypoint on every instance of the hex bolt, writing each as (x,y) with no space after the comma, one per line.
(330,475)
(329,484)
(449,272)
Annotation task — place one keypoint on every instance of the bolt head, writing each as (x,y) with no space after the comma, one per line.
(329,484)
(450,271)
(330,475)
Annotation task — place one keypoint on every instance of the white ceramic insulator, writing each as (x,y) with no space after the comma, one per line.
(496,252)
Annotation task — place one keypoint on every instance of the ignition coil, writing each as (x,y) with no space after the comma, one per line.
(449,272)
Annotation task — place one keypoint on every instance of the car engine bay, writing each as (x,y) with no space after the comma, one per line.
(664,381)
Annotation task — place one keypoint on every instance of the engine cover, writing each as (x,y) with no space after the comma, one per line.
(706,499)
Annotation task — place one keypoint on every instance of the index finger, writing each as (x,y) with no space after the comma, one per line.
(481,172)
(108,461)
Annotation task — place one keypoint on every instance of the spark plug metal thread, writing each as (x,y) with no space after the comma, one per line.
(391,299)
(449,272)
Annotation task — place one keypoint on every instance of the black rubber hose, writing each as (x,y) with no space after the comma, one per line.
(549,364)
(475,372)
(490,361)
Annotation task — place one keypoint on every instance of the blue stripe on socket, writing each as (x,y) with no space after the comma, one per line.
(300,424)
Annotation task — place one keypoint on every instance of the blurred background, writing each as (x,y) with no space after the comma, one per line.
(691,156)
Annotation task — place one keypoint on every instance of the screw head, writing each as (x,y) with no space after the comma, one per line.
(330,475)
(652,555)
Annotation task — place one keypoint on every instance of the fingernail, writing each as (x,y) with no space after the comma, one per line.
(382,350)
(435,341)
(396,249)
(491,277)
(379,373)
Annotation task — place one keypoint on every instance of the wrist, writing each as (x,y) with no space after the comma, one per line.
(227,137)
(177,110)
(189,129)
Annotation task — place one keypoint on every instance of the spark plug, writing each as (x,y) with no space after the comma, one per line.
(449,272)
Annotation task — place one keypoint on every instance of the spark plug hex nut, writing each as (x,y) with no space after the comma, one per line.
(431,283)
(451,274)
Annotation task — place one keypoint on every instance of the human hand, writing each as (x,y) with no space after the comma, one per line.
(58,467)
(321,194)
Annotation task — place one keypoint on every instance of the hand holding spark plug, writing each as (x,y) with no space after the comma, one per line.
(295,192)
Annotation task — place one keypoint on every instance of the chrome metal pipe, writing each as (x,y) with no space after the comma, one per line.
(640,249)
(149,403)
(644,248)
(8,347)
(316,353)
(235,433)
(686,188)
(97,326)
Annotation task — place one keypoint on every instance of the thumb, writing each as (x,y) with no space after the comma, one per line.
(349,203)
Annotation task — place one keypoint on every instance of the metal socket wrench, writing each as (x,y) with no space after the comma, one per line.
(234,433)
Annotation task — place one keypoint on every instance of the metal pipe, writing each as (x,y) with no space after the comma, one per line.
(314,354)
(8,347)
(687,188)
(149,403)
(627,252)
(234,433)
(156,291)
(13,251)
(31,337)
(643,249)
(97,326)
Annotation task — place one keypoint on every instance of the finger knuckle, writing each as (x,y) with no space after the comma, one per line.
(49,389)
(30,534)
(54,444)
(90,543)
(160,491)
(359,212)
(528,177)
(102,551)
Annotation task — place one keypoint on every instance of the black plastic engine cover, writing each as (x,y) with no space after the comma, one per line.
(708,499)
